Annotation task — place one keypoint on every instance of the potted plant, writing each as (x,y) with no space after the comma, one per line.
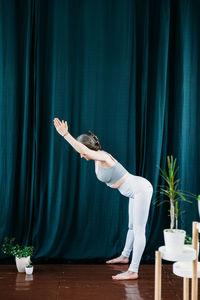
(22,254)
(174,238)
(29,268)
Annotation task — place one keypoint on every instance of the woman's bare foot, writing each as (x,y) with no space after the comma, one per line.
(118,260)
(126,276)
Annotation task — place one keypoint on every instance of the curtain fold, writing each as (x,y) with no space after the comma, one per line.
(126,70)
(17,118)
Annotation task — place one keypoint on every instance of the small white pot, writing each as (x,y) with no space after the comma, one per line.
(29,270)
(199,207)
(174,240)
(21,263)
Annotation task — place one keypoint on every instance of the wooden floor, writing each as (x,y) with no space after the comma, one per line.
(83,282)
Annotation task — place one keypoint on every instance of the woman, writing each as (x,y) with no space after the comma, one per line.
(138,189)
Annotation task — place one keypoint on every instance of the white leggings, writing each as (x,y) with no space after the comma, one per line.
(139,190)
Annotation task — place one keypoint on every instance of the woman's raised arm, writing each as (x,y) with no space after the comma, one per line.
(62,129)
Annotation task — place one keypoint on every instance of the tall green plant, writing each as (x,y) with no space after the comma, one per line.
(172,192)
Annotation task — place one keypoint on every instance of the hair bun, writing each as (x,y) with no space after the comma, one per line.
(90,133)
(94,136)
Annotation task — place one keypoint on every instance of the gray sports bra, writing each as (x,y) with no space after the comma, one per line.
(112,174)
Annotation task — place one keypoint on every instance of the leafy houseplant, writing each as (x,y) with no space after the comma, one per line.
(10,249)
(22,254)
(173,195)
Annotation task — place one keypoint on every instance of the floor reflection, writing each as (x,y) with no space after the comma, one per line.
(132,291)
(132,288)
(29,277)
(23,282)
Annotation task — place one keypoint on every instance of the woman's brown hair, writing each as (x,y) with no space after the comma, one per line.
(89,140)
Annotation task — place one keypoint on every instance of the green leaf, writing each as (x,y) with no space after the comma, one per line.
(165,175)
(182,197)
(164,201)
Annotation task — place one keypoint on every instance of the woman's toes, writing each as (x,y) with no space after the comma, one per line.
(125,276)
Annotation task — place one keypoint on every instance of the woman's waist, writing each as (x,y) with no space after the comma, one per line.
(119,182)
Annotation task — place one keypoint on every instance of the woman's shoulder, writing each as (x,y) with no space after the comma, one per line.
(109,159)
(110,156)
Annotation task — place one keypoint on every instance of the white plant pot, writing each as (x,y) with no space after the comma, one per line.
(21,263)
(174,240)
(29,270)
(199,207)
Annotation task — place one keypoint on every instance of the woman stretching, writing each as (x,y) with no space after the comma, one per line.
(138,189)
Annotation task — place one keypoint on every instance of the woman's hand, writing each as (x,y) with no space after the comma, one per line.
(61,127)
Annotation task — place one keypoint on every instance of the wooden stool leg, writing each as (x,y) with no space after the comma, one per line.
(185,288)
(194,275)
(158,266)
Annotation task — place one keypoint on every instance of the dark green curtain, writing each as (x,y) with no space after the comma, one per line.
(127,70)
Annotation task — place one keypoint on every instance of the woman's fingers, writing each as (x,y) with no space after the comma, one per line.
(56,123)
(57,126)
(59,123)
(57,120)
